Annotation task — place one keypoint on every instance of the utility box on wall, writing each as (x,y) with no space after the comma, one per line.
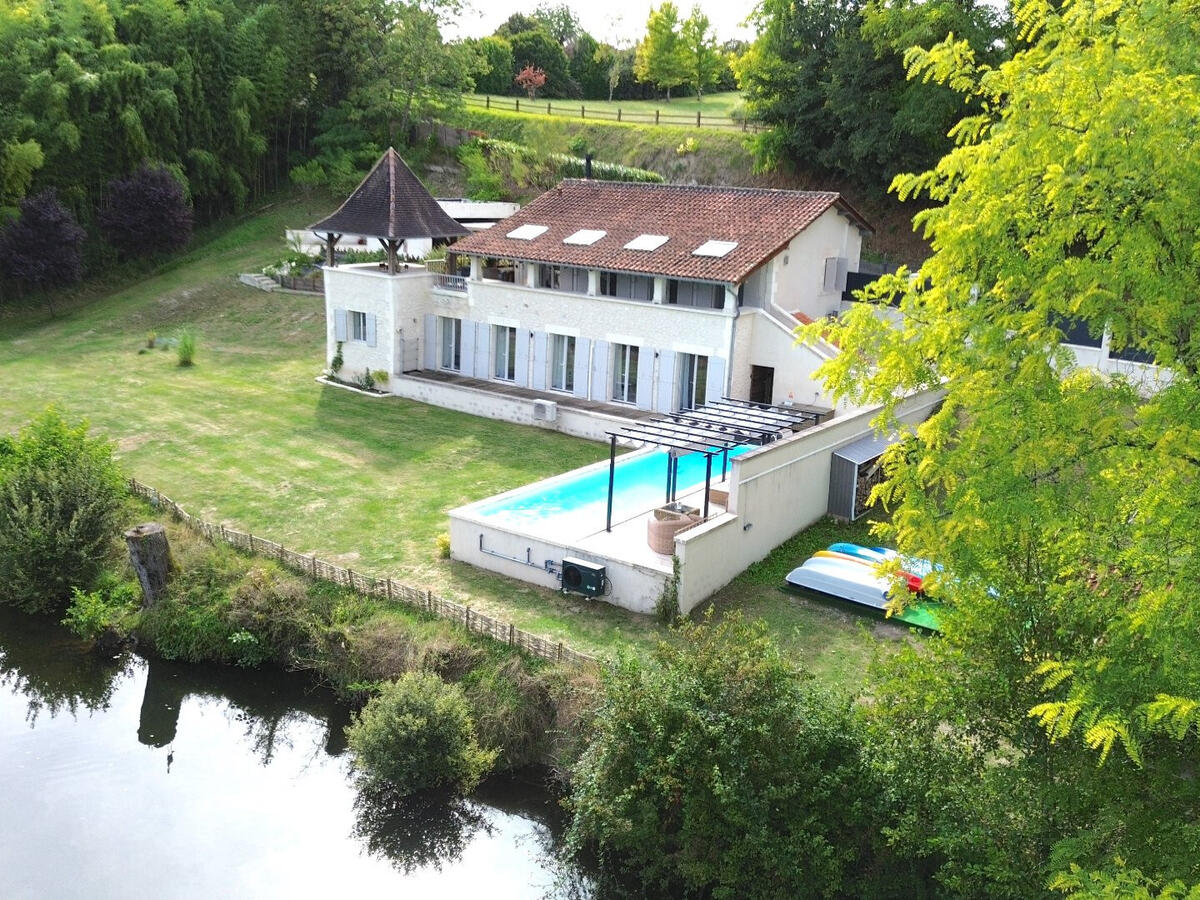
(582,577)
(853,471)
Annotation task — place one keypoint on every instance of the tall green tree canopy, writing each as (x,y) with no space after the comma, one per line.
(1064,504)
(704,62)
(661,55)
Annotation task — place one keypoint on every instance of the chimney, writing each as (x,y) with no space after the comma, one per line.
(587,166)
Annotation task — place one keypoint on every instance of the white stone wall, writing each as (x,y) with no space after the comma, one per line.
(776,491)
(798,272)
(761,340)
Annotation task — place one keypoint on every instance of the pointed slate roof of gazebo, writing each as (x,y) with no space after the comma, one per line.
(391,203)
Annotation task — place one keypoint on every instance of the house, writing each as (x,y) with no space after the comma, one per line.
(647,314)
(598,297)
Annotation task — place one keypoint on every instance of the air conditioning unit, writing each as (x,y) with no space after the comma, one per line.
(582,577)
(545,410)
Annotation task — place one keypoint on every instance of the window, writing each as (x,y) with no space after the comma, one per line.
(562,362)
(563,278)
(696,293)
(505,368)
(693,380)
(625,373)
(451,344)
(358,326)
(628,287)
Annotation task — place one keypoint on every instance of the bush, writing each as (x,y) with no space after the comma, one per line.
(186,347)
(91,613)
(417,734)
(718,769)
(44,246)
(442,542)
(146,213)
(60,493)
(513,710)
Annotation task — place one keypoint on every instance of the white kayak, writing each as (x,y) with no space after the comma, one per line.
(842,578)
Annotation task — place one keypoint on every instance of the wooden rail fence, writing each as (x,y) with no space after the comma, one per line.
(367,585)
(699,120)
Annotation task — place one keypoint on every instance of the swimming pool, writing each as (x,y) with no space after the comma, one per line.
(639,485)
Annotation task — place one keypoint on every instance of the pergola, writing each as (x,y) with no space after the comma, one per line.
(392,206)
(714,428)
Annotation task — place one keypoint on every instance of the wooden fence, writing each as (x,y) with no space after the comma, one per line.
(548,108)
(312,283)
(367,585)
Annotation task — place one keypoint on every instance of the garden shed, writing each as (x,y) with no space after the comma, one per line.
(853,471)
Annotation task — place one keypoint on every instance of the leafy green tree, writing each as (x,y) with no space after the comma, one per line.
(416,734)
(1065,505)
(661,56)
(497,57)
(60,492)
(704,62)
(719,767)
(537,49)
(589,67)
(560,21)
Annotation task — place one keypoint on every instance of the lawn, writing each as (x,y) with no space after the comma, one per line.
(716,110)
(247,438)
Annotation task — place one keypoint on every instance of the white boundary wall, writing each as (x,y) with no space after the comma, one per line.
(776,491)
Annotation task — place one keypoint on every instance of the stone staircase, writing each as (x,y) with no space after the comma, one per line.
(258,280)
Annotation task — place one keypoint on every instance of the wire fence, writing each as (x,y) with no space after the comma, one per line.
(581,111)
(367,585)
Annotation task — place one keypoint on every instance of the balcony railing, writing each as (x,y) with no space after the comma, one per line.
(450,282)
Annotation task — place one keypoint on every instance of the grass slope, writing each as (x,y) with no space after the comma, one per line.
(247,438)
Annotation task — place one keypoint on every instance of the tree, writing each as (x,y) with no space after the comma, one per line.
(496,53)
(660,56)
(559,21)
(531,80)
(60,492)
(589,67)
(537,49)
(146,213)
(44,246)
(699,47)
(1065,505)
(416,734)
(719,767)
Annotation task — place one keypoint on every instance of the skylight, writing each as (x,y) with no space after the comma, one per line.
(647,242)
(584,237)
(528,232)
(714,248)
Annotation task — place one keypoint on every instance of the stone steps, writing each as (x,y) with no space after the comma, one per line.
(258,280)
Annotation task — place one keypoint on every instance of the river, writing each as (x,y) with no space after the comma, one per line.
(139,777)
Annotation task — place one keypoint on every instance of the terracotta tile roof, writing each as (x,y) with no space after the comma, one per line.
(392,203)
(760,221)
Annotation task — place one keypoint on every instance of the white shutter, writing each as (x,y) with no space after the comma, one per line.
(539,361)
(339,325)
(666,381)
(431,344)
(582,347)
(645,378)
(372,330)
(600,386)
(521,369)
(714,388)
(466,354)
(831,267)
(843,266)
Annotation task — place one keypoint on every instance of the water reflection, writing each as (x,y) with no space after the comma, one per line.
(241,782)
(51,669)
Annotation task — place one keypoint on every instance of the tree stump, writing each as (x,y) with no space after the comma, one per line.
(150,555)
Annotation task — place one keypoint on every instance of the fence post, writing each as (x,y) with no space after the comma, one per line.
(350,577)
(697,118)
(429,601)
(518,104)
(511,628)
(548,109)
(487,102)
(656,117)
(560,649)
(467,618)
(582,112)
(743,124)
(314,565)
(389,590)
(618,114)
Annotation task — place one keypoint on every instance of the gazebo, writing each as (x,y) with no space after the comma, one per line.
(392,206)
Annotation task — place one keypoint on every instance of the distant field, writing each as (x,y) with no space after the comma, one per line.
(247,438)
(716,110)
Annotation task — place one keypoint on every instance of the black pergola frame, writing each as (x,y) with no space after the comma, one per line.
(717,426)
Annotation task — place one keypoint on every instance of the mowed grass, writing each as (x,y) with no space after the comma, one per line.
(247,438)
(712,107)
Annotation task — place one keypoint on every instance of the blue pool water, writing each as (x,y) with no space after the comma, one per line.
(640,484)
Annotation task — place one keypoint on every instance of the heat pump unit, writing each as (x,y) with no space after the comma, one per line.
(582,577)
(545,410)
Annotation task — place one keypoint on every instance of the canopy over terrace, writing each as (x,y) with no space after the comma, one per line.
(392,206)
(718,426)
